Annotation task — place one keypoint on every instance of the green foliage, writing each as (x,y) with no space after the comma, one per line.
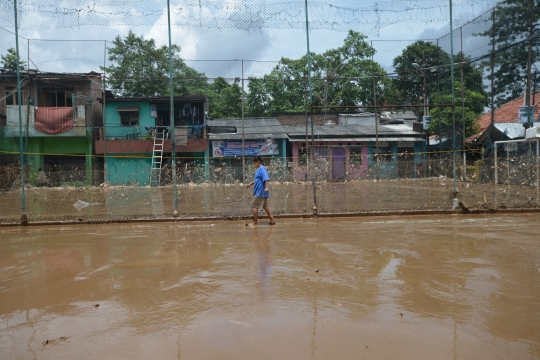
(512,19)
(139,68)
(340,77)
(441,121)
(9,61)
(225,99)
(434,68)
(410,83)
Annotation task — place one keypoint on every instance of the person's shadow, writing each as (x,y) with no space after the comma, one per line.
(264,255)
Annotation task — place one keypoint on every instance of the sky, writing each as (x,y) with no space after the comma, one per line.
(215,35)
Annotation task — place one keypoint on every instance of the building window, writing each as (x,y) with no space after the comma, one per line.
(303,154)
(322,152)
(129,115)
(57,98)
(355,156)
(11,97)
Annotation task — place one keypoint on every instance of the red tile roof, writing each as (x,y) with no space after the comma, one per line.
(506,113)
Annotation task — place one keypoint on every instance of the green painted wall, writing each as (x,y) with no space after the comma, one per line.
(128,171)
(38,147)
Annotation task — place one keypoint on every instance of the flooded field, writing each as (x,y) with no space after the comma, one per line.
(454,287)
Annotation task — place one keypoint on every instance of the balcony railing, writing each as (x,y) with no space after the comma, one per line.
(142,132)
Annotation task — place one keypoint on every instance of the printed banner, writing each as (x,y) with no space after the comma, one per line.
(251,148)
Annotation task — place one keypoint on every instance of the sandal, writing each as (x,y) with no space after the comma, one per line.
(272,223)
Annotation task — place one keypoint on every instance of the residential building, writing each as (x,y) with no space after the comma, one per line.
(507,123)
(58,112)
(357,148)
(132,124)
(261,136)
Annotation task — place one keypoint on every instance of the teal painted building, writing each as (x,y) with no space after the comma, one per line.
(127,138)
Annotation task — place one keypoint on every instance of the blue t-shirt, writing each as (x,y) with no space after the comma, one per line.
(260,177)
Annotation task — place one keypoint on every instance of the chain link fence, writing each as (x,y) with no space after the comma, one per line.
(392,183)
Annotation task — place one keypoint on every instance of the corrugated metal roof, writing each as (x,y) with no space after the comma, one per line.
(359,139)
(512,130)
(254,129)
(351,130)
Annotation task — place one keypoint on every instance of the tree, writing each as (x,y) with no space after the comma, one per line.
(225,100)
(424,68)
(409,85)
(139,68)
(442,117)
(510,33)
(340,77)
(9,61)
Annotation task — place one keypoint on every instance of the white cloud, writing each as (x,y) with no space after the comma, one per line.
(210,44)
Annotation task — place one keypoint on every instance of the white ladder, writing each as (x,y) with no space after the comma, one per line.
(157,156)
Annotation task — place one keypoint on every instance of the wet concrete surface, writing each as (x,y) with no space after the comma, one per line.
(451,287)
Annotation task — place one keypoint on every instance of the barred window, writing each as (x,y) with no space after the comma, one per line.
(129,115)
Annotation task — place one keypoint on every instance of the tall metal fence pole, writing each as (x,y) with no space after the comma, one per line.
(463,144)
(453,98)
(24,218)
(377,175)
(537,172)
(496,164)
(315,210)
(243,133)
(463,126)
(173,151)
(104,113)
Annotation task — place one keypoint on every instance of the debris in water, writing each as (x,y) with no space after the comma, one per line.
(97,305)
(317,270)
(79,204)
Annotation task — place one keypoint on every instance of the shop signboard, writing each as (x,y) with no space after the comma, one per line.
(251,148)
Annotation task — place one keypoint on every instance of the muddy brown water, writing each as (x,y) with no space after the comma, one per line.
(382,288)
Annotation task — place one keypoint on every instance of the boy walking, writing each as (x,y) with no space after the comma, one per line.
(261,192)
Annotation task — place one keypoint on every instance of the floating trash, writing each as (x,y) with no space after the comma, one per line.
(79,205)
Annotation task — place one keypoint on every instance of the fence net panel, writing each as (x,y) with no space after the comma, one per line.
(381,137)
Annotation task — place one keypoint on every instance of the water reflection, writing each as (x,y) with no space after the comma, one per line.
(264,256)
